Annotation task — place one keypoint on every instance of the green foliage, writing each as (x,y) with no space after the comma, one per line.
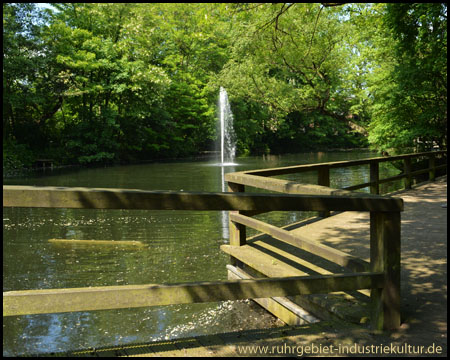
(410,103)
(292,60)
(16,157)
(21,65)
(106,82)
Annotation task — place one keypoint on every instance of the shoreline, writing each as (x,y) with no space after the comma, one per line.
(204,155)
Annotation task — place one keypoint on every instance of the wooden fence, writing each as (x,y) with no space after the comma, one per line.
(382,275)
(260,178)
(384,224)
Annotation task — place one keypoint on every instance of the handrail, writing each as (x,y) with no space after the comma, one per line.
(261,178)
(80,299)
(384,225)
(383,278)
(327,252)
(50,301)
(99,198)
(336,164)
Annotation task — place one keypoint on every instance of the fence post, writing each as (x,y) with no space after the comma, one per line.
(432,166)
(407,170)
(324,180)
(385,257)
(374,177)
(237,231)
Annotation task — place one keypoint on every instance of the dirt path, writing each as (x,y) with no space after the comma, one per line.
(423,259)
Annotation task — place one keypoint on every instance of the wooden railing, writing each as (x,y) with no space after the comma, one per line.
(262,178)
(384,224)
(383,276)
(258,178)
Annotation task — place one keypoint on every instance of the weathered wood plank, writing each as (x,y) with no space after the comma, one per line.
(407,172)
(291,255)
(258,260)
(339,305)
(237,231)
(283,308)
(357,186)
(97,242)
(96,198)
(393,178)
(335,164)
(130,296)
(303,243)
(323,179)
(280,251)
(374,178)
(385,256)
(432,162)
(290,187)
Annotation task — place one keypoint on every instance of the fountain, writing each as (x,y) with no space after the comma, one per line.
(227,135)
(227,148)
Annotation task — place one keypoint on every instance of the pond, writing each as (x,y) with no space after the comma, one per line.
(180,246)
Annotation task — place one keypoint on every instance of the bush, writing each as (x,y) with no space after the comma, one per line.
(16,157)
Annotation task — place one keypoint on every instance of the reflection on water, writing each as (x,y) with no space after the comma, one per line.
(224,214)
(181,246)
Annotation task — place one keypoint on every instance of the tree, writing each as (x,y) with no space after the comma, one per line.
(25,108)
(97,82)
(110,83)
(290,59)
(410,97)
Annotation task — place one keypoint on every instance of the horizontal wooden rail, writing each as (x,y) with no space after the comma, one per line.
(382,181)
(303,243)
(263,179)
(384,225)
(115,243)
(293,187)
(284,308)
(392,178)
(385,239)
(96,198)
(28,302)
(336,164)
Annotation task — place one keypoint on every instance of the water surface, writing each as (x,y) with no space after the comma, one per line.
(181,246)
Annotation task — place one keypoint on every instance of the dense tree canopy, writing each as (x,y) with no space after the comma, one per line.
(96,82)
(410,98)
